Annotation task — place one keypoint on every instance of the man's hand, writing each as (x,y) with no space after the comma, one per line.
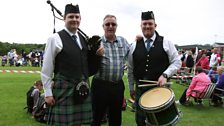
(50,100)
(100,51)
(162,80)
(132,94)
(138,38)
(187,98)
(94,43)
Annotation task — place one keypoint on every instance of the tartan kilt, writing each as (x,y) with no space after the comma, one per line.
(65,112)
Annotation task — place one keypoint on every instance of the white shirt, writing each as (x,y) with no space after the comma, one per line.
(152,38)
(175,62)
(53,47)
(213,60)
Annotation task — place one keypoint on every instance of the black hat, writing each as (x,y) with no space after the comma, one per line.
(148,15)
(69,8)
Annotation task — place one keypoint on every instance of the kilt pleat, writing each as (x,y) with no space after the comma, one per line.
(65,112)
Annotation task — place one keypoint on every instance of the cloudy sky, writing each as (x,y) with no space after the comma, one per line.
(181,21)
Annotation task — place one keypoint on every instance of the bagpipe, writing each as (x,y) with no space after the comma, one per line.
(93,44)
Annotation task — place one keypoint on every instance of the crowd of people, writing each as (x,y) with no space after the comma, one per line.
(207,69)
(205,58)
(33,58)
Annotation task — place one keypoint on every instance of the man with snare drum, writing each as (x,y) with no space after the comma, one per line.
(150,58)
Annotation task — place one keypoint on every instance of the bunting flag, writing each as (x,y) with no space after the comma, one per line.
(20,71)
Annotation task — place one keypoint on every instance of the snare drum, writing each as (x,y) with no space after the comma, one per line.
(159,106)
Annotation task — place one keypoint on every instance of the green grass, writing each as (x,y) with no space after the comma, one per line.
(13,88)
(19,68)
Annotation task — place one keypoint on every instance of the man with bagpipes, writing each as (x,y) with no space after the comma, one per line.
(68,62)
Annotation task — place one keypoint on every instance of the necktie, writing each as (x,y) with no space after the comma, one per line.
(74,37)
(148,41)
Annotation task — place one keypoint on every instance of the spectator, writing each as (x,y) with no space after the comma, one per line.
(199,83)
(33,95)
(214,58)
(220,84)
(38,87)
(203,62)
(208,54)
(212,74)
(190,61)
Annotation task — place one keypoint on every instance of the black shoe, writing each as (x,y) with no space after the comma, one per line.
(215,104)
(187,103)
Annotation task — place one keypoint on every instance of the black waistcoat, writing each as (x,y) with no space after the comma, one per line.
(150,65)
(72,62)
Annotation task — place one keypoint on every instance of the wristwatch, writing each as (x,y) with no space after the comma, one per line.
(165,75)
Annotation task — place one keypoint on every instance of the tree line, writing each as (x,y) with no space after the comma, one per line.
(5,47)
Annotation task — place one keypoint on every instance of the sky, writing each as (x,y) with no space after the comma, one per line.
(183,22)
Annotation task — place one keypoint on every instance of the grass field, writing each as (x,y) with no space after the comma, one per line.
(13,87)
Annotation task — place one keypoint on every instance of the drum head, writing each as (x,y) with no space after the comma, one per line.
(155,97)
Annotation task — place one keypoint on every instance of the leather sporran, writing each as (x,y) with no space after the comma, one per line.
(81,92)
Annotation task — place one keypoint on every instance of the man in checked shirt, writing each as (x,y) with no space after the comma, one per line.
(107,84)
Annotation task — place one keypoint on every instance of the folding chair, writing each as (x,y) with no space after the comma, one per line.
(206,94)
(220,94)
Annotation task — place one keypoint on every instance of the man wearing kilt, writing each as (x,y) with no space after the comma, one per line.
(150,58)
(65,66)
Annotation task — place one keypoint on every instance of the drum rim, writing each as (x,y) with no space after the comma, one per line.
(160,106)
(173,122)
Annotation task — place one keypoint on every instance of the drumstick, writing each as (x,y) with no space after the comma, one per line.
(149,81)
(131,100)
(147,85)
